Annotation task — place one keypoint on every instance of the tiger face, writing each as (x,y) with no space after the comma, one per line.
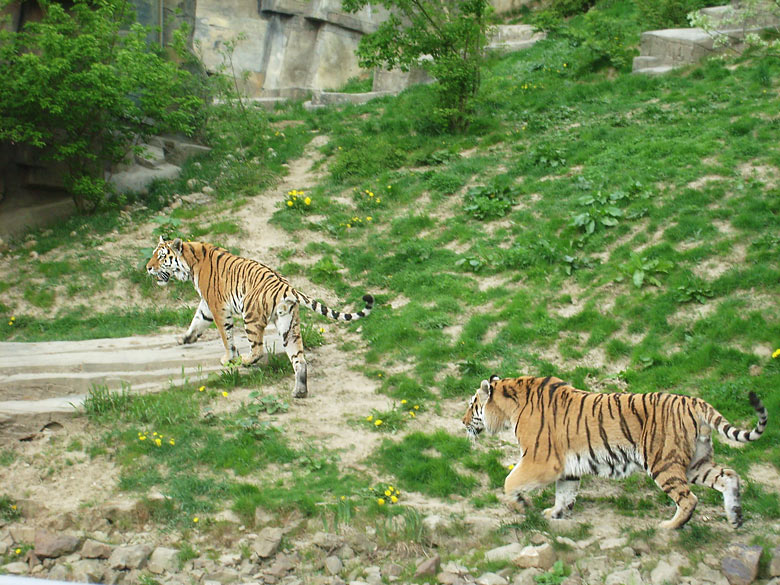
(474,419)
(166,261)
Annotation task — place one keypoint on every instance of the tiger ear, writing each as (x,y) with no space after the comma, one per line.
(177,245)
(494,378)
(485,391)
(161,240)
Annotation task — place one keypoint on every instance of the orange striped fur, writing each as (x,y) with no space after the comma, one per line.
(565,433)
(228,285)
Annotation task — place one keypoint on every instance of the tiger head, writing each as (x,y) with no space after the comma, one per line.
(167,261)
(474,419)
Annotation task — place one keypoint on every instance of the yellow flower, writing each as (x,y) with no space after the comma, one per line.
(13,506)
(394,499)
(379,374)
(388,493)
(289,203)
(378,200)
(18,551)
(322,329)
(348,226)
(201,389)
(225,394)
(195,520)
(307,201)
(411,413)
(369,418)
(417,407)
(368,218)
(381,501)
(142,438)
(389,186)
(378,422)
(157,442)
(172,442)
(343,498)
(403,401)
(776,353)
(511,466)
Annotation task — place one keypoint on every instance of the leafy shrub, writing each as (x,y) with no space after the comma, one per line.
(659,14)
(81,84)
(491,201)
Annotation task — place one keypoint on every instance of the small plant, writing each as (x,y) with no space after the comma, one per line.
(599,211)
(269,404)
(686,294)
(385,495)
(155,440)
(370,198)
(167,227)
(555,576)
(490,202)
(298,201)
(572,263)
(642,270)
(393,419)
(8,509)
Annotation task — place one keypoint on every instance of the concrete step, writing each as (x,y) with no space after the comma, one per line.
(35,377)
(508,38)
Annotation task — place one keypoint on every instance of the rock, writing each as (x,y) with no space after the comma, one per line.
(625,577)
(327,541)
(230,559)
(612,543)
(281,566)
(539,557)
(50,545)
(755,370)
(333,565)
(526,577)
(60,573)
(223,576)
(774,564)
(16,568)
(163,559)
(22,534)
(428,567)
(392,570)
(664,574)
(491,579)
(505,553)
(267,542)
(92,549)
(132,556)
(87,571)
(740,565)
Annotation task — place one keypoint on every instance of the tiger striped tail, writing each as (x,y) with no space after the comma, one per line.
(318,307)
(731,432)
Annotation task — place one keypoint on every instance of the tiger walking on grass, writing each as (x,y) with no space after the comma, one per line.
(228,285)
(565,433)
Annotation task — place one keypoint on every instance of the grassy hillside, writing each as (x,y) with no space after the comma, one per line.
(618,231)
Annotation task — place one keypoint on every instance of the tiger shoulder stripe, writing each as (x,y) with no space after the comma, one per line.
(565,433)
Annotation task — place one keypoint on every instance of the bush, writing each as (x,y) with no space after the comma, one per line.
(660,14)
(82,84)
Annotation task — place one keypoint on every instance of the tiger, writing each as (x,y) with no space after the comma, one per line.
(230,284)
(565,433)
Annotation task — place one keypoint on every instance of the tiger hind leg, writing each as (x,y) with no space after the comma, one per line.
(674,482)
(565,495)
(254,326)
(726,481)
(288,323)
(200,322)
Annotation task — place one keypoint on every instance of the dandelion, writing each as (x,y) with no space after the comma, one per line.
(378,200)
(289,203)
(18,551)
(158,442)
(417,407)
(511,466)
(201,389)
(403,401)
(307,201)
(379,374)
(369,418)
(389,186)
(224,393)
(378,422)
(380,501)
(411,414)
(343,498)
(195,520)
(11,320)
(348,226)
(172,442)
(368,218)
(388,493)
(394,499)
(322,329)
(776,353)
